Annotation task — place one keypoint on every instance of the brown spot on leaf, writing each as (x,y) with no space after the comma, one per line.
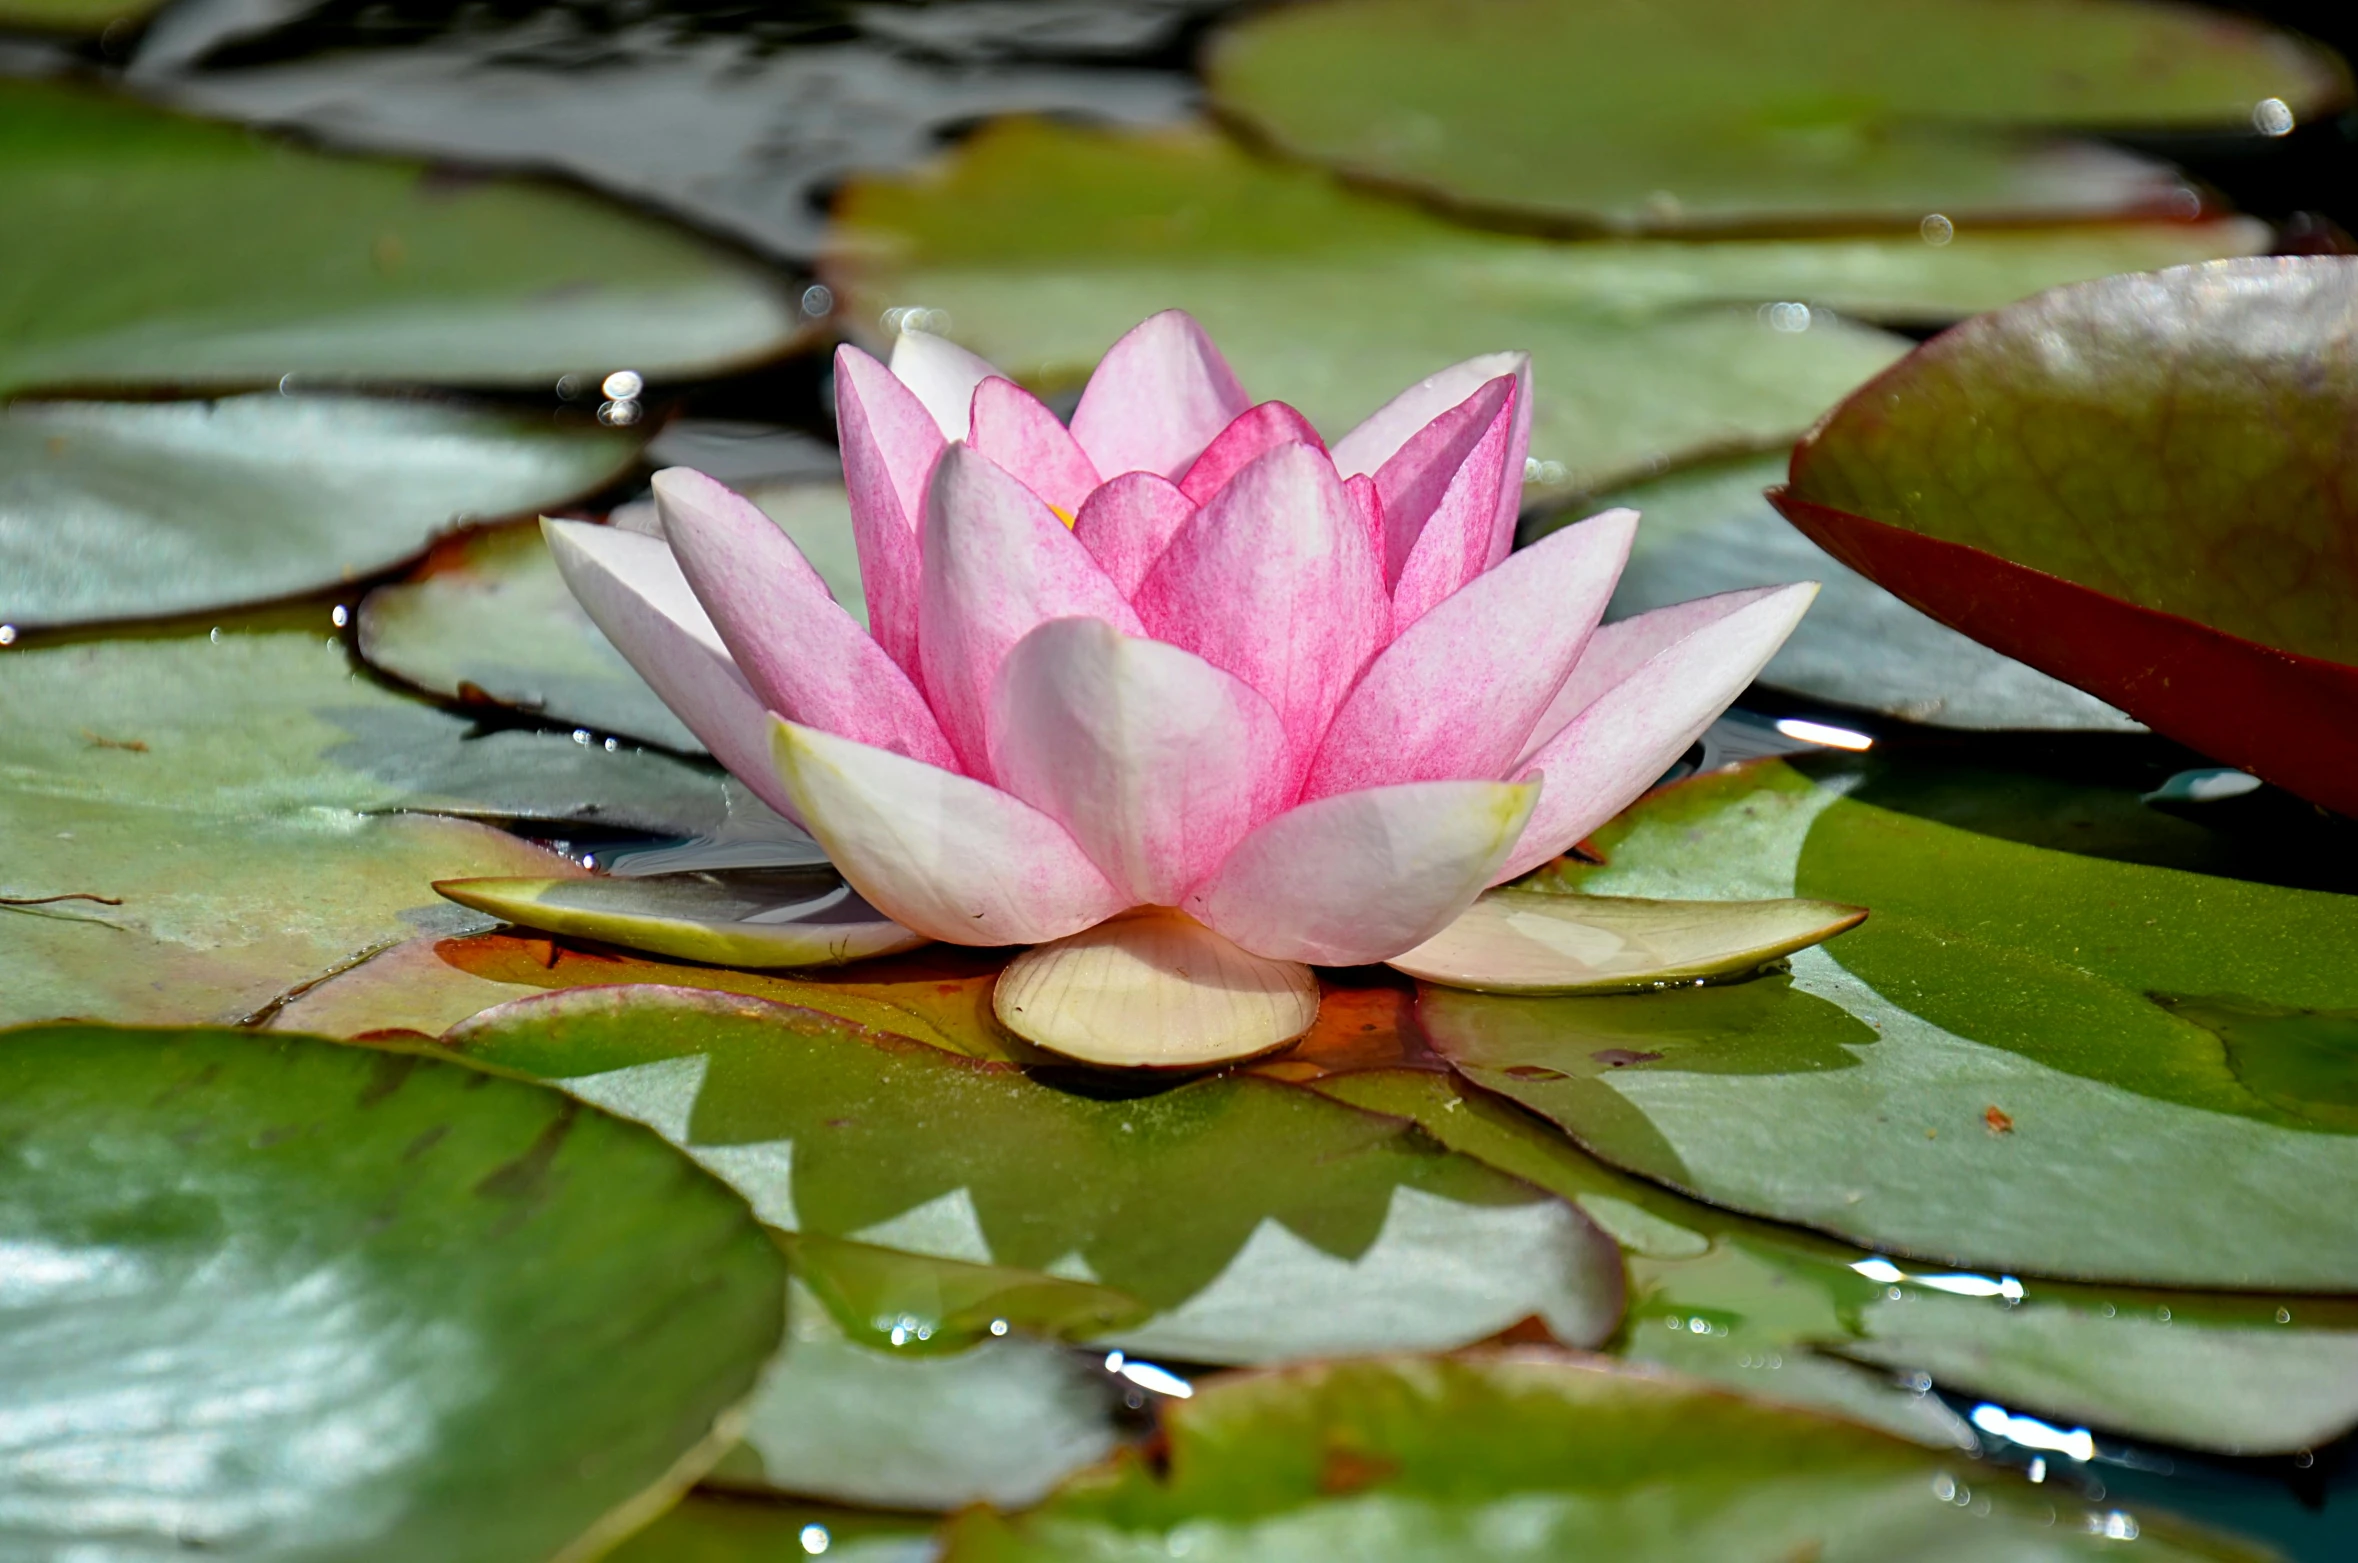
(1533,1072)
(1347,1471)
(2000,1121)
(1622,1057)
(128,745)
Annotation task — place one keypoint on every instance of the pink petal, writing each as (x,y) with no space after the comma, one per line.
(1159,396)
(890,445)
(1627,737)
(1619,649)
(1418,474)
(1456,695)
(1453,546)
(1128,523)
(1156,761)
(1375,441)
(1368,505)
(942,375)
(632,589)
(1274,582)
(1255,430)
(1362,876)
(997,562)
(944,854)
(1015,429)
(804,656)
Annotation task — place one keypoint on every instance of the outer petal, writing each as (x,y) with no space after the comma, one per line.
(1619,649)
(997,563)
(632,589)
(1128,523)
(1454,544)
(1368,505)
(1375,441)
(942,375)
(1159,396)
(1015,429)
(1155,761)
(1274,582)
(1456,695)
(804,656)
(1362,876)
(1627,737)
(1254,431)
(890,445)
(944,854)
(1423,470)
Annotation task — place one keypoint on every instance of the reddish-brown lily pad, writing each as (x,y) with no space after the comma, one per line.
(2144,486)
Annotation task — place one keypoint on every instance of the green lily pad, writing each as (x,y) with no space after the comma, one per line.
(1516,941)
(275,1297)
(709,1527)
(734,917)
(1708,114)
(119,510)
(1988,1037)
(256,813)
(1257,1221)
(79,17)
(1039,244)
(154,249)
(1534,1456)
(1708,528)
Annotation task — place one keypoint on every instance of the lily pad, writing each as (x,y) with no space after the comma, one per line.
(74,16)
(1524,1455)
(1037,245)
(710,1527)
(732,917)
(154,249)
(2157,514)
(1710,114)
(275,1297)
(1515,941)
(118,510)
(1257,1221)
(1709,528)
(1989,1036)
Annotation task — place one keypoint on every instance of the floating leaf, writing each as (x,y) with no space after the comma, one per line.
(920,1305)
(118,510)
(1258,1221)
(273,1297)
(710,1527)
(149,248)
(2157,514)
(74,16)
(1524,1455)
(1707,114)
(1708,528)
(1516,941)
(1986,1038)
(732,917)
(1037,245)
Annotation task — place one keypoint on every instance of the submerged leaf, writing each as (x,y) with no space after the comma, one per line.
(1518,941)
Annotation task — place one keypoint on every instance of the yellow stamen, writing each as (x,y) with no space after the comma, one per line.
(1062,514)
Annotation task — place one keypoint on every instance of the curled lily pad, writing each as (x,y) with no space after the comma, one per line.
(1708,114)
(118,510)
(2157,513)
(730,917)
(1518,941)
(276,1297)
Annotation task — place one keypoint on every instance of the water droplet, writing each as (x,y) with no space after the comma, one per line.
(340,615)
(7,634)
(1787,317)
(818,301)
(1937,230)
(998,1326)
(618,415)
(815,1539)
(2272,117)
(623,385)
(2284,1316)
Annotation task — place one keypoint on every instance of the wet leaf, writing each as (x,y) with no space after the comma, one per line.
(156,249)
(1037,245)
(710,1527)
(119,510)
(1707,114)
(1258,1222)
(273,1297)
(2158,515)
(1708,528)
(1524,1455)
(1515,941)
(1854,1095)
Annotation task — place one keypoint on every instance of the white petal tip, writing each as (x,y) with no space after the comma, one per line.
(1154,989)
(1522,941)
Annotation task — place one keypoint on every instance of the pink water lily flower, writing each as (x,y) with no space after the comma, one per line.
(1178,679)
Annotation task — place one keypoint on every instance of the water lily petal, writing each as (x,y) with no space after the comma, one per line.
(1368,505)
(890,444)
(997,562)
(1128,523)
(1158,397)
(1453,545)
(1155,761)
(1456,694)
(942,375)
(1378,439)
(1619,649)
(951,857)
(804,656)
(1362,876)
(1255,430)
(1423,469)
(1628,736)
(632,589)
(1274,582)
(1015,429)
